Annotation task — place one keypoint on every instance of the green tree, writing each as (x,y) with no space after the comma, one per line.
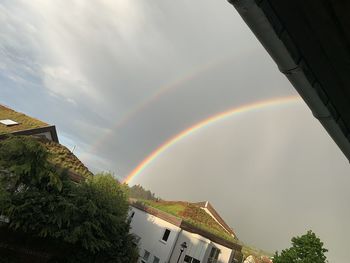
(40,200)
(138,192)
(23,163)
(307,248)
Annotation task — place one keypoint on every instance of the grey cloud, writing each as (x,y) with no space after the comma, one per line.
(272,177)
(86,66)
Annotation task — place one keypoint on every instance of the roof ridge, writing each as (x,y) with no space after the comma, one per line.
(213,213)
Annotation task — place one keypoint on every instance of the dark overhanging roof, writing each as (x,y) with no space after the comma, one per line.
(310,42)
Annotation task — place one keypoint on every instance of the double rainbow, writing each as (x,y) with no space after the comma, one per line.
(205,123)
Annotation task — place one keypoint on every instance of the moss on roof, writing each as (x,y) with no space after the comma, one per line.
(25,122)
(61,156)
(192,214)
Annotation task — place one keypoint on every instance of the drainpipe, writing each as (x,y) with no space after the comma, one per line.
(173,246)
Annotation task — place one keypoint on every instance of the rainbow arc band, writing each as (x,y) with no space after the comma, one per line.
(206,122)
(162,91)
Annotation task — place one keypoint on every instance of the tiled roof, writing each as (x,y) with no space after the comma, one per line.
(24,122)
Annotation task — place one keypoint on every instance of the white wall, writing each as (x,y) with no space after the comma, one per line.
(196,246)
(225,255)
(151,230)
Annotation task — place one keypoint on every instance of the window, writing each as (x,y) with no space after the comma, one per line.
(166,235)
(155,259)
(136,240)
(145,256)
(214,255)
(191,259)
(187,259)
(8,122)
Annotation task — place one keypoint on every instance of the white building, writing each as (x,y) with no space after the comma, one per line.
(165,238)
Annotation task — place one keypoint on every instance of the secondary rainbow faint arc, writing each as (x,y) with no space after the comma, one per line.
(195,72)
(212,119)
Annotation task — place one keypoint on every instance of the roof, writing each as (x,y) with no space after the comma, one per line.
(310,43)
(64,158)
(190,217)
(24,122)
(26,125)
(217,217)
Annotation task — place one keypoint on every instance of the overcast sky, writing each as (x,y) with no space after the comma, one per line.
(119,78)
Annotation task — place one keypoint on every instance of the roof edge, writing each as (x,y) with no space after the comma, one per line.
(298,73)
(184,225)
(50,128)
(217,216)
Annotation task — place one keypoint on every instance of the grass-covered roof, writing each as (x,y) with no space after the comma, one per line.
(63,157)
(192,214)
(24,122)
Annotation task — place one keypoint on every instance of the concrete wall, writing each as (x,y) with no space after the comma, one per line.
(151,229)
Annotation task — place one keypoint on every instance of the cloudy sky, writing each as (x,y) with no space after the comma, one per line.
(119,78)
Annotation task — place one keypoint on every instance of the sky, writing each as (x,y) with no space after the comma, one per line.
(120,78)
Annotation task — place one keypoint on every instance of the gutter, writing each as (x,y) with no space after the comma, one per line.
(283,51)
(173,246)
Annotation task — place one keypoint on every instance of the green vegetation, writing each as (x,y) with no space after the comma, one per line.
(248,250)
(191,214)
(25,122)
(307,248)
(173,208)
(87,222)
(138,192)
(62,157)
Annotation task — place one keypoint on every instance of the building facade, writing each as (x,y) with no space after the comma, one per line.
(165,238)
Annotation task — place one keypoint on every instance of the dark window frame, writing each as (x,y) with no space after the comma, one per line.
(166,235)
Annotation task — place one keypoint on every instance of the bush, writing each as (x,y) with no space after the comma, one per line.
(41,201)
(307,248)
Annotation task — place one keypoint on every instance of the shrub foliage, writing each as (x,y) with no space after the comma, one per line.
(39,200)
(307,248)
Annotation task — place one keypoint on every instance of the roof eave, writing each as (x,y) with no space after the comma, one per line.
(33,131)
(184,225)
(259,24)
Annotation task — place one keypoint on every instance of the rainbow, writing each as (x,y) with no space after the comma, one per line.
(205,123)
(163,90)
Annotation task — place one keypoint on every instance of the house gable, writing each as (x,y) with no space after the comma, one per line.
(163,210)
(207,207)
